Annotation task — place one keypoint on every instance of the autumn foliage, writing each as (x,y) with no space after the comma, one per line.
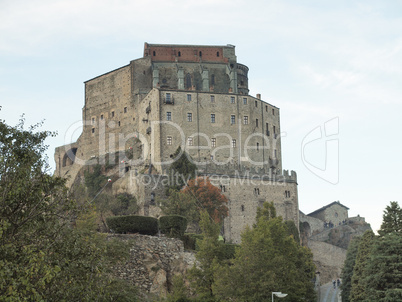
(208,197)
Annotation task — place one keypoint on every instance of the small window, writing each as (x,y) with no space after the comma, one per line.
(266,108)
(189,97)
(212,99)
(232,119)
(273,111)
(213,79)
(256,191)
(212,157)
(245,119)
(93,130)
(242,208)
(212,117)
(245,101)
(112,113)
(168,98)
(267,128)
(101,117)
(232,99)
(168,116)
(200,53)
(274,129)
(125,109)
(233,143)
(213,142)
(179,54)
(189,117)
(217,53)
(93,121)
(256,122)
(190,141)
(275,153)
(169,140)
(258,147)
(154,53)
(256,104)
(118,123)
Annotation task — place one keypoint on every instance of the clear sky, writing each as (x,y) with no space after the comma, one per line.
(334,68)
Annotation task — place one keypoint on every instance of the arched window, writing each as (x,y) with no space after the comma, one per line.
(217,53)
(200,53)
(188,81)
(179,54)
(154,53)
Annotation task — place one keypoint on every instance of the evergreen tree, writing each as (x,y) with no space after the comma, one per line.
(208,257)
(392,219)
(268,260)
(181,170)
(383,273)
(347,270)
(358,290)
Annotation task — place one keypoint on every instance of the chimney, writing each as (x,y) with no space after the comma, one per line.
(259,96)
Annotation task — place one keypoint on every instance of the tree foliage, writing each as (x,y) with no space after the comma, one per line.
(42,256)
(268,260)
(383,273)
(392,219)
(181,170)
(208,197)
(181,203)
(347,270)
(358,290)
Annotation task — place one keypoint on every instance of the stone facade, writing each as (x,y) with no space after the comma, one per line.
(194,97)
(335,213)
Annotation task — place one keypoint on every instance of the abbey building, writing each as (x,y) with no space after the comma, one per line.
(194,97)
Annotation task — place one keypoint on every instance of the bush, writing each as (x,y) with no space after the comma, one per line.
(133,224)
(228,250)
(173,225)
(190,241)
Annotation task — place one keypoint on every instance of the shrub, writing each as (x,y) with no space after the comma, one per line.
(133,224)
(173,225)
(190,241)
(228,250)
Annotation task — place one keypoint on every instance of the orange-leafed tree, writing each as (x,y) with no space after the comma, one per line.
(208,197)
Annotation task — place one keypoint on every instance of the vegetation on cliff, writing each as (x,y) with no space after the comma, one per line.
(49,248)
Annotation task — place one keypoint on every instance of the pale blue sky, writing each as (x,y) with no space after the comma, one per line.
(316,60)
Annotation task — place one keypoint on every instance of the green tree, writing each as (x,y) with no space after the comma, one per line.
(392,219)
(347,270)
(94,180)
(181,203)
(358,291)
(208,257)
(268,260)
(383,273)
(181,170)
(42,256)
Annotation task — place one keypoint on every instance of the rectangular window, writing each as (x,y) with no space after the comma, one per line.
(233,143)
(274,129)
(189,117)
(189,97)
(169,140)
(125,109)
(245,101)
(275,153)
(267,128)
(273,111)
(212,99)
(190,141)
(212,117)
(93,130)
(245,119)
(266,108)
(232,119)
(112,113)
(93,121)
(232,99)
(213,142)
(258,147)
(256,122)
(256,105)
(168,98)
(168,116)
(101,117)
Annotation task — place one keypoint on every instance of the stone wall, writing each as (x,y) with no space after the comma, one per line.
(153,262)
